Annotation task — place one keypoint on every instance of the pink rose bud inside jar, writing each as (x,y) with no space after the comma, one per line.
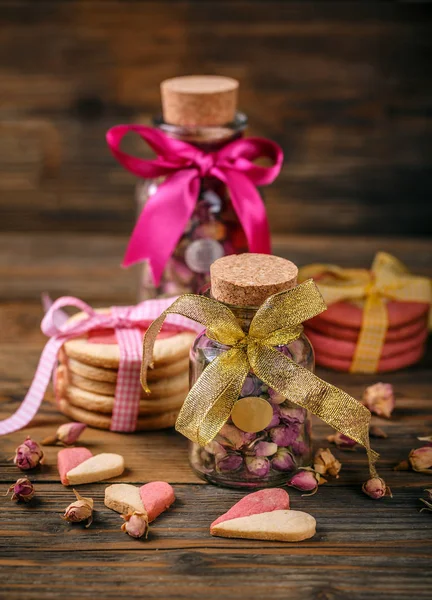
(267,437)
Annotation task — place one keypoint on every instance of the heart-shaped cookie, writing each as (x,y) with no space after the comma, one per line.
(68,459)
(156,496)
(123,498)
(259,502)
(88,470)
(278,525)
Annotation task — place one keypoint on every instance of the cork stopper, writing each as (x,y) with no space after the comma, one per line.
(199,100)
(249,279)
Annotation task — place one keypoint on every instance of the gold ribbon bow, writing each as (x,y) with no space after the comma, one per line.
(388,279)
(277,322)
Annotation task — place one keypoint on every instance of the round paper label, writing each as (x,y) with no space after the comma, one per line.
(252,414)
(202,253)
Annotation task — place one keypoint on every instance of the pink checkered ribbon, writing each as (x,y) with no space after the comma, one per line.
(127,322)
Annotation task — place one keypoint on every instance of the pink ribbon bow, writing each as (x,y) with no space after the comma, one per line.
(167,212)
(127,322)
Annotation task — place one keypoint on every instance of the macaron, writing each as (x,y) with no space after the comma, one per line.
(393,363)
(345,349)
(351,334)
(350,314)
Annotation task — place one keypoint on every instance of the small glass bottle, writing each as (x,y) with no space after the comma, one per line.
(266,457)
(201,111)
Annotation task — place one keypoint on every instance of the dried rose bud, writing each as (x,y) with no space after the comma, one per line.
(421,459)
(136,524)
(291,415)
(66,435)
(266,448)
(429,491)
(377,432)
(22,490)
(300,448)
(28,455)
(80,510)
(259,465)
(230,462)
(342,441)
(215,448)
(305,480)
(275,397)
(284,436)
(275,420)
(427,439)
(379,399)
(283,461)
(326,464)
(376,488)
(233,438)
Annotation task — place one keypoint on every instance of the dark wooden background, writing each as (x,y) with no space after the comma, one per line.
(343,87)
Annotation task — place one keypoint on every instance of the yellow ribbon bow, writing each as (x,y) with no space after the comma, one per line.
(388,279)
(277,322)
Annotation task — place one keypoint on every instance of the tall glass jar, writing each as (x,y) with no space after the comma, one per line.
(214,229)
(263,458)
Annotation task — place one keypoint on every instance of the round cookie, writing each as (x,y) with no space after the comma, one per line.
(349,314)
(164,388)
(100,348)
(110,375)
(393,363)
(101,421)
(345,349)
(350,334)
(104,404)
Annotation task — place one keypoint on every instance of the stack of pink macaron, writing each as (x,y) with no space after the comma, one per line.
(335,332)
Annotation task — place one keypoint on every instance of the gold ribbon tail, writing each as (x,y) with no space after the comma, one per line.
(334,406)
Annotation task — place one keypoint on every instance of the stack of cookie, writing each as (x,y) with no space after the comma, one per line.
(335,332)
(85,380)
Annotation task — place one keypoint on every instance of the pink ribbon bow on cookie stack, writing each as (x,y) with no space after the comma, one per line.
(127,322)
(167,212)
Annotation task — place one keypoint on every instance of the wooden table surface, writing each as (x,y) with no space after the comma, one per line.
(363,549)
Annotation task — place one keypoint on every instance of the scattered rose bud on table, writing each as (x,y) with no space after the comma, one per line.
(135,524)
(342,441)
(306,480)
(66,435)
(377,432)
(28,455)
(326,464)
(23,490)
(376,488)
(379,399)
(80,510)
(421,459)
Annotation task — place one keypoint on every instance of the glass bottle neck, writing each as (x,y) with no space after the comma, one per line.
(243,314)
(206,138)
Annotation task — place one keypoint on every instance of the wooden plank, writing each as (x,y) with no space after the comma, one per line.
(88,266)
(344,91)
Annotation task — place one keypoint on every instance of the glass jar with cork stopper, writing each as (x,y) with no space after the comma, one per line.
(266,437)
(200,110)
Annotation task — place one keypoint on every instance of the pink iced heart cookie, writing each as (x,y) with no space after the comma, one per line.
(262,501)
(156,497)
(68,459)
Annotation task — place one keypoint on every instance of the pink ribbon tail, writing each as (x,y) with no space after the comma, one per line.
(33,399)
(163,221)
